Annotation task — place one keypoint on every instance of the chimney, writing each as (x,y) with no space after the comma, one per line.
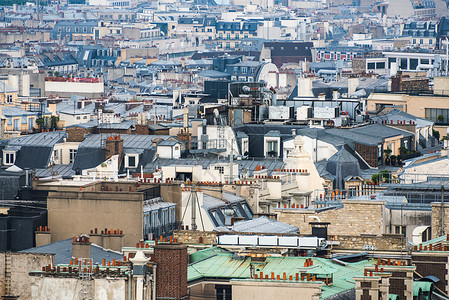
(96,238)
(114,146)
(335,95)
(43,236)
(116,240)
(171,272)
(81,246)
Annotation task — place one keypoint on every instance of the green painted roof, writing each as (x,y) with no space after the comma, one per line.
(220,264)
(202,254)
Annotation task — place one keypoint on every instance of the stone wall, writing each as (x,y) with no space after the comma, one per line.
(436,219)
(354,218)
(20,265)
(391,242)
(359,65)
(385,242)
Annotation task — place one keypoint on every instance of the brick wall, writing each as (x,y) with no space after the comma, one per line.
(171,272)
(368,153)
(142,129)
(77,134)
(435,264)
(355,218)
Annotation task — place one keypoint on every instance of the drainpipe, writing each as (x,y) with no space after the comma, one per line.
(153,296)
(442,210)
(129,284)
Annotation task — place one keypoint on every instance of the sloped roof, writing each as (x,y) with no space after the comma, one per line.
(222,265)
(261,225)
(63,252)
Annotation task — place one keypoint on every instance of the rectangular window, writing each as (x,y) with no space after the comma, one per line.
(371,66)
(220,169)
(244,70)
(9,158)
(131,161)
(380,65)
(272,149)
(8,98)
(72,154)
(16,125)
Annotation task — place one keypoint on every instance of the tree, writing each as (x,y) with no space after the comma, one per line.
(436,134)
(440,118)
(382,176)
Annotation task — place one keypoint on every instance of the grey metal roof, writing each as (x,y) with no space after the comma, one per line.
(273,133)
(33,157)
(261,225)
(58,170)
(63,252)
(168,143)
(129,141)
(48,139)
(120,126)
(396,115)
(249,165)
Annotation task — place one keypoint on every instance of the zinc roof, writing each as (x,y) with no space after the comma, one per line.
(222,265)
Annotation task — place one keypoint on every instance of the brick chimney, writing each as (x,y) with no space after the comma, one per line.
(171,271)
(114,146)
(81,246)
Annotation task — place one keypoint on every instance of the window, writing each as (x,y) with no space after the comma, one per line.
(8,98)
(72,154)
(244,70)
(228,36)
(371,66)
(380,65)
(272,149)
(236,69)
(220,169)
(9,158)
(55,154)
(251,71)
(78,117)
(131,161)
(16,125)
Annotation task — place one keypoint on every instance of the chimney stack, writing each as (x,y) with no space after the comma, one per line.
(81,246)
(171,272)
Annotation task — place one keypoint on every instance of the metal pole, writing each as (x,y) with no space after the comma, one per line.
(194,208)
(442,211)
(231,162)
(447,54)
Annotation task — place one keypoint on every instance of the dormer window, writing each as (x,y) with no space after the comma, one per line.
(9,157)
(131,161)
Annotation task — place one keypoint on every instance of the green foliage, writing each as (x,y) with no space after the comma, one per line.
(436,134)
(440,118)
(387,152)
(45,123)
(382,176)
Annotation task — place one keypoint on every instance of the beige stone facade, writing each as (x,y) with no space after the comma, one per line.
(354,218)
(14,268)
